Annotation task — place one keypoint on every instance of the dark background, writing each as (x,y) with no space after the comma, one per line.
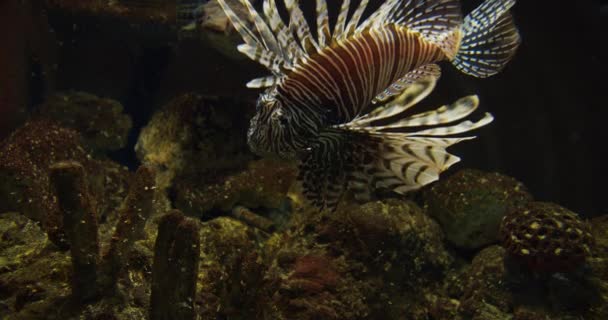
(549,128)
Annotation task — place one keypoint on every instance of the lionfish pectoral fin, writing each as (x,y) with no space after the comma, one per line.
(431,71)
(490,39)
(374,157)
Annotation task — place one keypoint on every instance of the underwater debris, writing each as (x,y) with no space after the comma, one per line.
(79,224)
(25,158)
(252,219)
(101,122)
(264,184)
(195,136)
(133,214)
(470,205)
(175,268)
(546,237)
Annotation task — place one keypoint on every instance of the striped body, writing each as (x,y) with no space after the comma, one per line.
(344,78)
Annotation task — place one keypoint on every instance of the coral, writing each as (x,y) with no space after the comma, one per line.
(101,122)
(264,184)
(546,237)
(24,161)
(195,137)
(133,214)
(470,204)
(175,268)
(80,225)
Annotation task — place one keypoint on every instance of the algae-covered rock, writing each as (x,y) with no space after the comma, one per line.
(263,184)
(25,158)
(197,136)
(100,121)
(230,275)
(22,241)
(375,261)
(33,275)
(486,288)
(470,205)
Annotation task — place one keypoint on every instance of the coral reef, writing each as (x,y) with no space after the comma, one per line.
(362,262)
(470,205)
(101,122)
(546,237)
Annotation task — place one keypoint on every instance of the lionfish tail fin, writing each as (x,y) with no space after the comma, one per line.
(490,39)
(363,157)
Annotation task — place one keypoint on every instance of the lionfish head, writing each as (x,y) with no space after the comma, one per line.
(270,130)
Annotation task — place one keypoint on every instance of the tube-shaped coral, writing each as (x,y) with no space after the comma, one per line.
(80,225)
(133,215)
(175,268)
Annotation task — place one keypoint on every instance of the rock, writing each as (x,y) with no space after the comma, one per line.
(25,158)
(101,122)
(34,276)
(486,285)
(375,261)
(22,241)
(264,184)
(470,205)
(196,137)
(230,273)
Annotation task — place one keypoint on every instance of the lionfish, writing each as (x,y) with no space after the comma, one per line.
(315,108)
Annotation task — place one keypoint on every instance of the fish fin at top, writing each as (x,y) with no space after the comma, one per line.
(490,39)
(438,21)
